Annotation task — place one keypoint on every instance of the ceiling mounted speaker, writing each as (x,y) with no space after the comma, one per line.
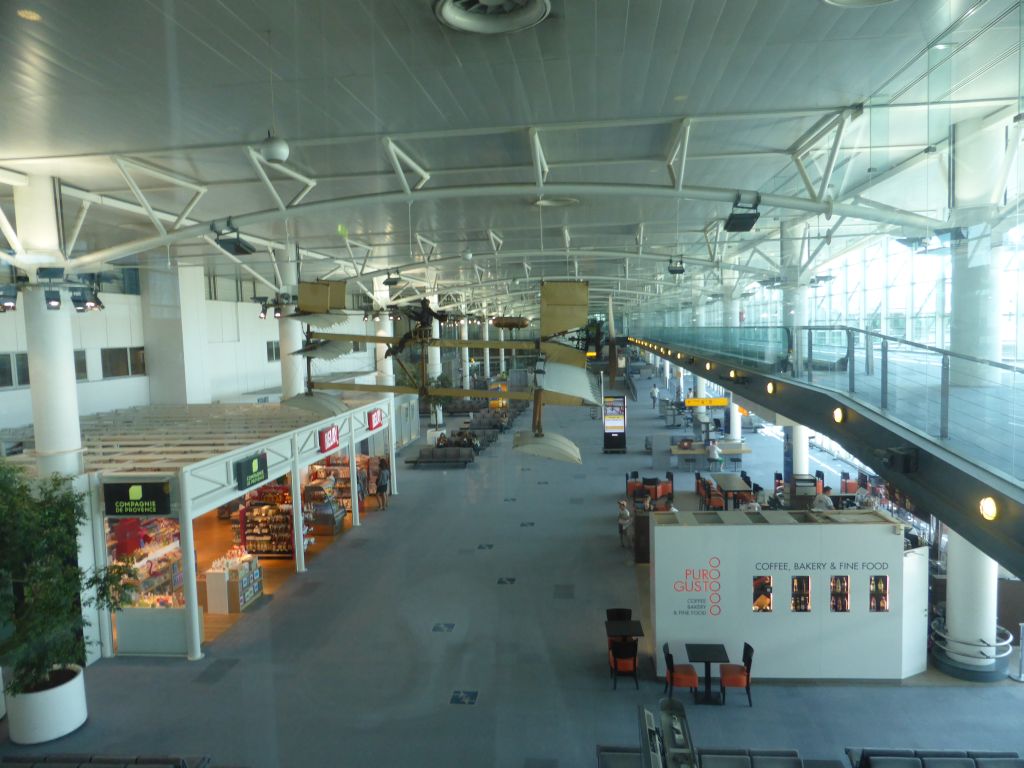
(274,149)
(491,17)
(392,281)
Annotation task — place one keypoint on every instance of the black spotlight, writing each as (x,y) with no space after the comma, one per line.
(742,218)
(277,310)
(8,298)
(78,300)
(52,298)
(263,311)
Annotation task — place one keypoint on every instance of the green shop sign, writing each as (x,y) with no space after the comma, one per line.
(137,499)
(251,471)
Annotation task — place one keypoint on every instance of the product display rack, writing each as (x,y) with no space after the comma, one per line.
(266,530)
(327,510)
(158,565)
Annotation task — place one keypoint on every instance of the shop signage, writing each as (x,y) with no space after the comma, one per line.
(251,471)
(330,438)
(375,419)
(137,499)
(708,402)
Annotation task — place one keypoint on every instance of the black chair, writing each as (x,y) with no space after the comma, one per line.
(737,676)
(634,475)
(618,614)
(718,426)
(670,476)
(622,661)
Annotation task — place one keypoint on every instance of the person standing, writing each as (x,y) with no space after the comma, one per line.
(383,483)
(361,481)
(861,497)
(654,395)
(714,455)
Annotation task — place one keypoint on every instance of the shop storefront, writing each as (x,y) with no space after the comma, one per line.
(208,540)
(819,596)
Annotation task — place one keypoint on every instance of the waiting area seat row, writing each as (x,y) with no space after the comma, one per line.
(75,760)
(932,758)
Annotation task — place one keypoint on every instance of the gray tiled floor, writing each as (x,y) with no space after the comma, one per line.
(353,673)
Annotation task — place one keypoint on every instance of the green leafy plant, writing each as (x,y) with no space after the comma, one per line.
(42,588)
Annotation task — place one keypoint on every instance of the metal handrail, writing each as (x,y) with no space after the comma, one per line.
(905,342)
(1003,644)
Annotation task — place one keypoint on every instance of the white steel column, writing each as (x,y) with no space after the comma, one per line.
(298,526)
(193,637)
(666,371)
(794,289)
(501,351)
(51,365)
(51,361)
(735,425)
(801,450)
(290,331)
(353,470)
(464,352)
(434,353)
(485,333)
(392,439)
(972,587)
(974,323)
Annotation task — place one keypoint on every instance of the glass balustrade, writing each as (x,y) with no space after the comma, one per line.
(970,406)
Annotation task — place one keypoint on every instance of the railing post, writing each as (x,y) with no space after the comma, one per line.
(944,399)
(885,375)
(850,360)
(810,355)
(869,355)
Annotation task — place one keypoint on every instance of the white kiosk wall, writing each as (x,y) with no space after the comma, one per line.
(702,591)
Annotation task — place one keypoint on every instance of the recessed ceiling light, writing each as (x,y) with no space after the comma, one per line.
(555,202)
(29,15)
(491,17)
(988,509)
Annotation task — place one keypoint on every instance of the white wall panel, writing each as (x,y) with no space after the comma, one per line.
(117,321)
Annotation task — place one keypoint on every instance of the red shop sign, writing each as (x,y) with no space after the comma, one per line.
(330,438)
(375,419)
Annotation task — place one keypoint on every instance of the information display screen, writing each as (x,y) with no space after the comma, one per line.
(614,415)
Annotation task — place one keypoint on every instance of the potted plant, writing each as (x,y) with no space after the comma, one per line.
(42,595)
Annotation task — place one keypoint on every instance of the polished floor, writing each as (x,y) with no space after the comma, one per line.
(463,627)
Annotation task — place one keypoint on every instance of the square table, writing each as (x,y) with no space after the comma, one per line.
(709,654)
(630,628)
(731,483)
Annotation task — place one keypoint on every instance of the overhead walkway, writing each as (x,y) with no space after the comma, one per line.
(948,429)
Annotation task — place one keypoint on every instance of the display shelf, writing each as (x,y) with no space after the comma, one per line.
(235,588)
(266,530)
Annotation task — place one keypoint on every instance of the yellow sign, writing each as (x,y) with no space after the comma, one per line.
(710,402)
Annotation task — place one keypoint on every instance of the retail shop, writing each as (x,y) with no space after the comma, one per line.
(820,595)
(206,513)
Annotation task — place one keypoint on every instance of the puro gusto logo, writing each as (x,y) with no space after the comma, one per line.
(704,581)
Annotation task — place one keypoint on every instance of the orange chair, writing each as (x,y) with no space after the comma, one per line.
(737,676)
(622,661)
(713,498)
(683,675)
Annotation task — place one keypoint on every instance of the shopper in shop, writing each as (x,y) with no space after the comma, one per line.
(361,481)
(625,523)
(823,501)
(383,483)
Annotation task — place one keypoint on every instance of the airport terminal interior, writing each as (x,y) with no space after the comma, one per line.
(525,383)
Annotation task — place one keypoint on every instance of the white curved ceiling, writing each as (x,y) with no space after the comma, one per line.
(601,90)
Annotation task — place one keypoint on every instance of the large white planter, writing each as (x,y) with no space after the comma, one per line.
(33,718)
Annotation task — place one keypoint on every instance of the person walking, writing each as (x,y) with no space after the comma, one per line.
(361,481)
(383,483)
(654,395)
(625,523)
